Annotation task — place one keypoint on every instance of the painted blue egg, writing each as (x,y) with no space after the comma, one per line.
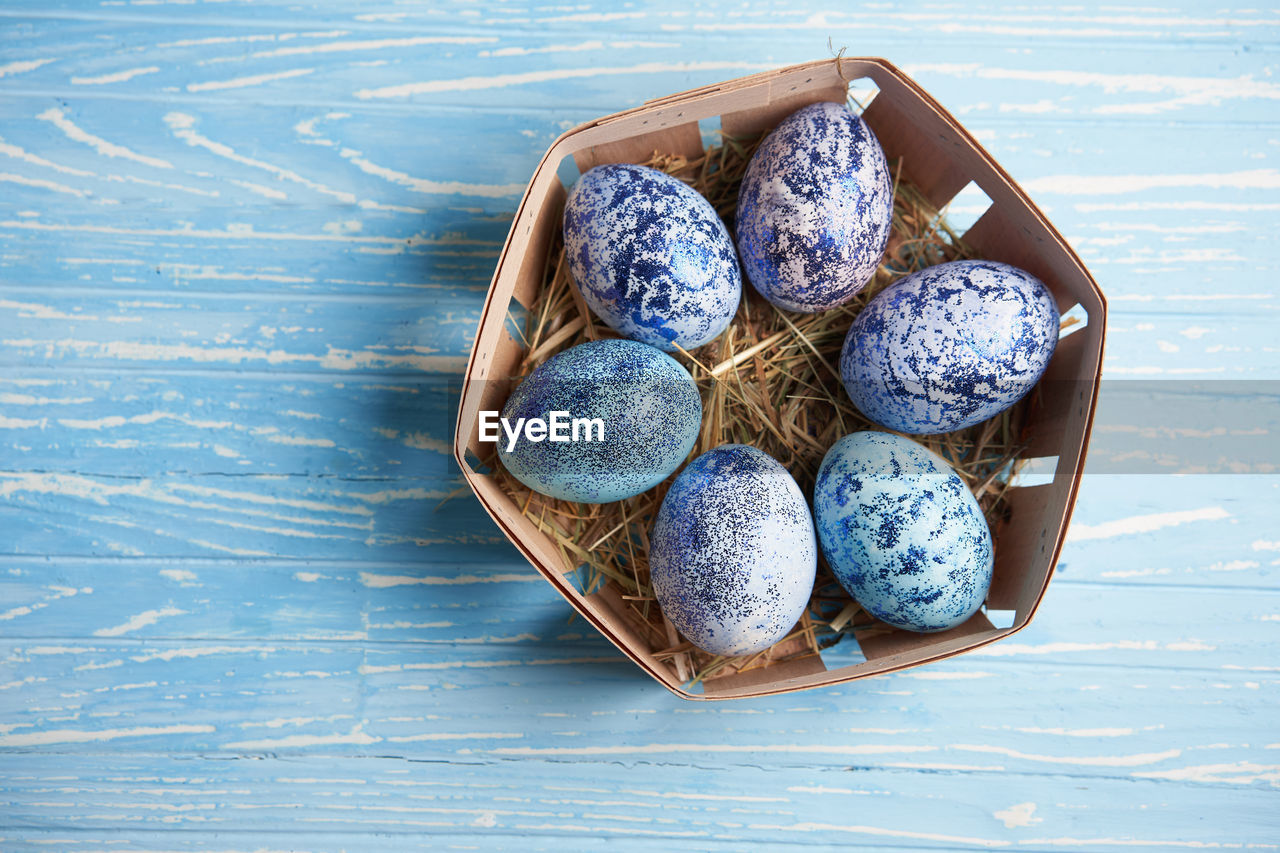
(901,532)
(651,257)
(618,417)
(814,209)
(949,346)
(732,555)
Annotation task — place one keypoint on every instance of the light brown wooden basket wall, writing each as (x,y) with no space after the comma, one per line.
(939,157)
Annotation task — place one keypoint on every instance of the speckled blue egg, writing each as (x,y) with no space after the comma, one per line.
(949,346)
(901,532)
(651,257)
(651,411)
(732,555)
(814,209)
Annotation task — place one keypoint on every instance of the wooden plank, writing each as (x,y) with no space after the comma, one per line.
(301,53)
(586,703)
(418,806)
(264,515)
(428,334)
(201,422)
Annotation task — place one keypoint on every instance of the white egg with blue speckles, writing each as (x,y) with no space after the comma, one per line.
(651,257)
(902,533)
(732,555)
(814,209)
(949,346)
(648,405)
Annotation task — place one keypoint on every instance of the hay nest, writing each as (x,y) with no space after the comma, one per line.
(771,380)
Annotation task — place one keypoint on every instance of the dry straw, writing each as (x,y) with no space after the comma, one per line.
(771,380)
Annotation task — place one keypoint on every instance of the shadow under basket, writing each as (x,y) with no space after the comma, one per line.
(941,160)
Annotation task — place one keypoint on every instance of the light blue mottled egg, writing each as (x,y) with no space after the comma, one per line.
(732,555)
(949,346)
(650,409)
(814,209)
(651,257)
(901,532)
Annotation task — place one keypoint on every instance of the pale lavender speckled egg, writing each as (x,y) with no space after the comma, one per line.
(901,532)
(814,209)
(732,555)
(651,257)
(949,346)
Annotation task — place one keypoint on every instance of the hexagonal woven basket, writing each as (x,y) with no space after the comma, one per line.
(940,158)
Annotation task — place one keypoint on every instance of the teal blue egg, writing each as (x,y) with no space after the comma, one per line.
(642,404)
(902,532)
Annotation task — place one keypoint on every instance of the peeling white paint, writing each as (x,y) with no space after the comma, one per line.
(59,119)
(1018,816)
(252,80)
(356,736)
(1143,523)
(499,81)
(52,736)
(115,77)
(377,581)
(140,620)
(24,66)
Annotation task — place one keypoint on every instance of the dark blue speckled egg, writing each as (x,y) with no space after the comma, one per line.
(949,346)
(648,410)
(732,555)
(902,532)
(651,257)
(814,209)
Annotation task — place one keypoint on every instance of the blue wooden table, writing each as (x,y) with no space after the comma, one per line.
(243,248)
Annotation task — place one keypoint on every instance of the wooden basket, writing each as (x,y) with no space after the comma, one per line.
(940,158)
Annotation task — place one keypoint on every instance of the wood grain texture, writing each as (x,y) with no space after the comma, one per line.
(243,248)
